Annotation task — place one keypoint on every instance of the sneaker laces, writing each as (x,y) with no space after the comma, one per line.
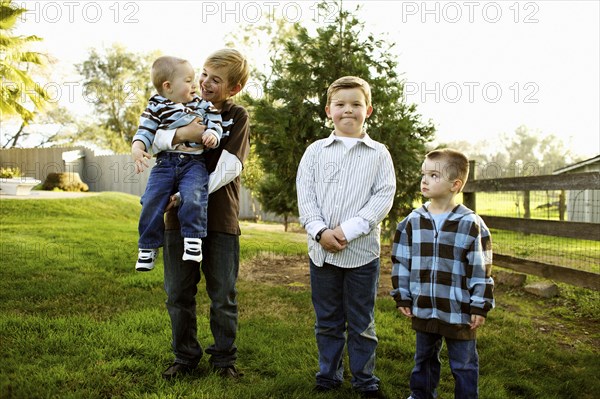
(146,254)
(193,245)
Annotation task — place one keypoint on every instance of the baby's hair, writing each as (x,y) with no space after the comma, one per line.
(163,69)
(457,164)
(235,63)
(349,82)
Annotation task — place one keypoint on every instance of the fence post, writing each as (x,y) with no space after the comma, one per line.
(562,205)
(469,198)
(526,205)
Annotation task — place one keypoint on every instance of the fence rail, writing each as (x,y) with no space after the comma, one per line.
(570,181)
(567,275)
(578,230)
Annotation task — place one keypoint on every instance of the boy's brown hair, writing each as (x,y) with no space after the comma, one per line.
(350,82)
(457,164)
(163,69)
(236,64)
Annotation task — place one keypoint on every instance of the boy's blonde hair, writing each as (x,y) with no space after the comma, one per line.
(163,69)
(349,82)
(235,63)
(457,164)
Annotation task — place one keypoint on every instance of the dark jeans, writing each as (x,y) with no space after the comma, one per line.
(344,302)
(220,266)
(464,363)
(174,172)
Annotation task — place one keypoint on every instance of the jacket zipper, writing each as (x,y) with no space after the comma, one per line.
(435,261)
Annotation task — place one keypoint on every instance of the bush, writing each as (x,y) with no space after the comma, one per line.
(9,173)
(64,182)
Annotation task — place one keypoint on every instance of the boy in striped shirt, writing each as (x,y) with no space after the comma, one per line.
(182,169)
(442,259)
(346,185)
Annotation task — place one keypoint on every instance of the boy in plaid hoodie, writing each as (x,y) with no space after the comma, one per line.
(442,260)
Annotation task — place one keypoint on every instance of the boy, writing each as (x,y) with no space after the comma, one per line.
(182,168)
(442,260)
(225,74)
(346,185)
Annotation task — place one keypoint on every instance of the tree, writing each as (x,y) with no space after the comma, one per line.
(54,126)
(291,113)
(20,95)
(117,83)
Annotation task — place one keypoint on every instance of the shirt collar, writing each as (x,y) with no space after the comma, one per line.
(366,139)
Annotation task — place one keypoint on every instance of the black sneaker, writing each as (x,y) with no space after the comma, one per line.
(377,394)
(228,372)
(177,370)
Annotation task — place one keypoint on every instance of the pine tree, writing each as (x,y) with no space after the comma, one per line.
(291,113)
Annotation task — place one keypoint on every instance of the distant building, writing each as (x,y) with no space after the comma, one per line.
(583,205)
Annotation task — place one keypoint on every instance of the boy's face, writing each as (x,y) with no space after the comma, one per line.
(215,85)
(348,110)
(435,181)
(183,86)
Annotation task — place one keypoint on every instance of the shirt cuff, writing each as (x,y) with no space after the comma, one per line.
(355,227)
(313,228)
(163,140)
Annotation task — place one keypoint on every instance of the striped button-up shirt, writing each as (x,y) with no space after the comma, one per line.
(336,184)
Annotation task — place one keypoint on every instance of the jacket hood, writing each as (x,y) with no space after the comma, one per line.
(458,212)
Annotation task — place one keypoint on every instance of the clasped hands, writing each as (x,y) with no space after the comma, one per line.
(333,240)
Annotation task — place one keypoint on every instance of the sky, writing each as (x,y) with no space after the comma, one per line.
(477,69)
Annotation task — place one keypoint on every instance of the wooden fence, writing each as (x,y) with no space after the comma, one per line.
(102,172)
(556,228)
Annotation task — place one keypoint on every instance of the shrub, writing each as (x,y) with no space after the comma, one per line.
(65,182)
(9,173)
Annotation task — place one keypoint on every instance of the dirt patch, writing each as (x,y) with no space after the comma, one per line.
(287,270)
(293,271)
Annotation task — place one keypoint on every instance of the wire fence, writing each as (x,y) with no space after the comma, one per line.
(552,219)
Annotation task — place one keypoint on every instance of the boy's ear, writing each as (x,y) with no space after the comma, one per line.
(369,110)
(235,90)
(166,86)
(327,111)
(457,185)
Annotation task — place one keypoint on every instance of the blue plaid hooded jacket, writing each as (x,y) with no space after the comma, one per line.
(443,273)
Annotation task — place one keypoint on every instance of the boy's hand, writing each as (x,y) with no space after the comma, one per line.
(330,242)
(140,156)
(405,311)
(209,140)
(174,201)
(192,132)
(476,321)
(339,235)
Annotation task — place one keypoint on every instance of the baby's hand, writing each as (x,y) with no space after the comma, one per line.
(405,311)
(476,321)
(209,140)
(139,154)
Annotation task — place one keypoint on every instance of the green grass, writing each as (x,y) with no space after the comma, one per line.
(76,321)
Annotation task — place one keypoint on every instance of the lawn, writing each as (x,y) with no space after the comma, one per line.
(76,320)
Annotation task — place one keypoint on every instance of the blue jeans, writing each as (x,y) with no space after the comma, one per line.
(172,172)
(220,265)
(344,303)
(464,364)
